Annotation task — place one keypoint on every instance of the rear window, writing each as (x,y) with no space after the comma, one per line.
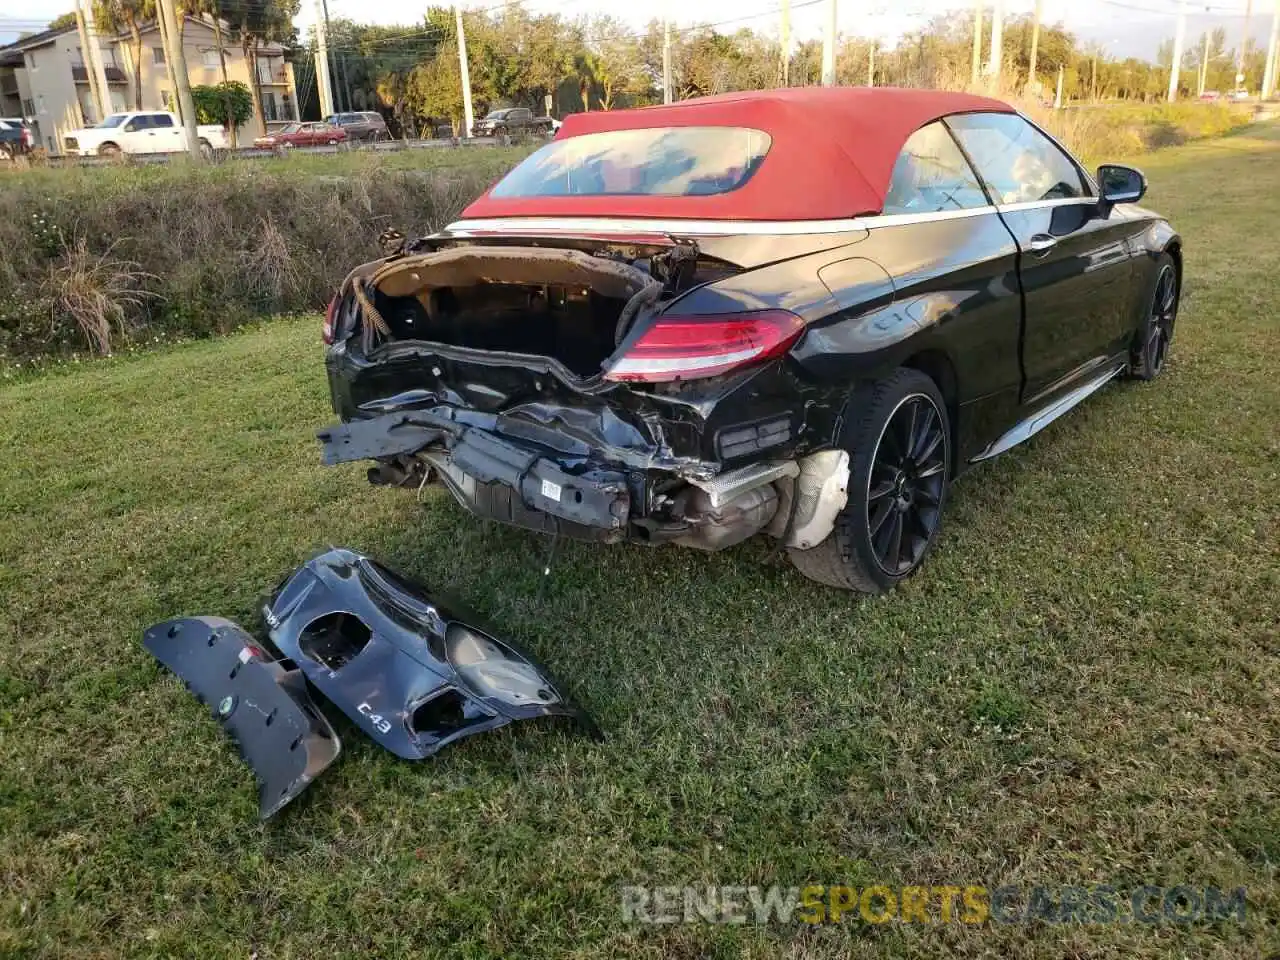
(661,162)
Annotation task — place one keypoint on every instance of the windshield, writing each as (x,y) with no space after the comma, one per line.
(291,128)
(665,162)
(496,114)
(114,120)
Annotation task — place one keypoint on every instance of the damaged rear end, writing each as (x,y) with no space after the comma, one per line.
(603,388)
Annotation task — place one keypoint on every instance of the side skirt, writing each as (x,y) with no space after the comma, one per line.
(1029,426)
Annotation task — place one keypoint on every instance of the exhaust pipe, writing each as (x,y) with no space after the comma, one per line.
(728,486)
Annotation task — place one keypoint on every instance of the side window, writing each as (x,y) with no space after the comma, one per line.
(1017,162)
(161,120)
(137,123)
(931,175)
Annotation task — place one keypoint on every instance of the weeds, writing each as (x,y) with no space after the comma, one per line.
(217,246)
(104,295)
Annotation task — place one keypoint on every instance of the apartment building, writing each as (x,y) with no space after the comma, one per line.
(44,77)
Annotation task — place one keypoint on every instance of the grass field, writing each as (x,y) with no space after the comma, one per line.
(1081,688)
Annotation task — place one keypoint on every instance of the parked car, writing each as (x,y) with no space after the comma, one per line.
(797,312)
(302,135)
(1210,96)
(15,138)
(364,127)
(511,121)
(140,132)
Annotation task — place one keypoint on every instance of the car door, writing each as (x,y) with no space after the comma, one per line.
(1074,263)
(137,136)
(954,279)
(166,136)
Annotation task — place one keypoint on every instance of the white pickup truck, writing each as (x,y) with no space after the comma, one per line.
(141,131)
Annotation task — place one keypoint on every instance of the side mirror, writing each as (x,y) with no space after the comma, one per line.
(1117,184)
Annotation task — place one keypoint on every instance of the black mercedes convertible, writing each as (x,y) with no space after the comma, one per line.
(796,312)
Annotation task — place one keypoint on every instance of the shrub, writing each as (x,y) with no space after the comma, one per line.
(103,295)
(229,104)
(97,258)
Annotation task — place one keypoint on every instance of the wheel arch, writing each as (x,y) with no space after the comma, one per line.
(1174,249)
(936,364)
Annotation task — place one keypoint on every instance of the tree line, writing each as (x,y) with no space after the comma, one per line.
(517,58)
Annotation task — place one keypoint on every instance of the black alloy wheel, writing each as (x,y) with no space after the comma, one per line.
(1156,333)
(898,436)
(905,487)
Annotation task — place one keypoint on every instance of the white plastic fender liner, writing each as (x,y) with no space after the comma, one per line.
(821,492)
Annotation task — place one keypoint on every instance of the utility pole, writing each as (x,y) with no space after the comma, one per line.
(1035,46)
(1204,63)
(92,74)
(467,118)
(183,94)
(337,70)
(1244,45)
(786,42)
(1273,53)
(977,44)
(322,65)
(94,54)
(666,52)
(1057,100)
(168,67)
(997,44)
(829,47)
(1178,36)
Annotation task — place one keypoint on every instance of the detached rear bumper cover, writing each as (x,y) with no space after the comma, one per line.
(412,670)
(263,707)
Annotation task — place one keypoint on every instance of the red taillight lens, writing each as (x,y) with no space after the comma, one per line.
(685,348)
(326,332)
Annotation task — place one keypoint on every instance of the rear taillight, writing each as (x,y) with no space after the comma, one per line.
(685,348)
(326,332)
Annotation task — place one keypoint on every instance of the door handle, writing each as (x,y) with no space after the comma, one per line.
(1041,244)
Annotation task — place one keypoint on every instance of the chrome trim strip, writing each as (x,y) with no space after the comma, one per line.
(1026,429)
(1037,204)
(700,228)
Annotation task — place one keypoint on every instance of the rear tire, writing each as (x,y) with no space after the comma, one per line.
(1151,342)
(899,443)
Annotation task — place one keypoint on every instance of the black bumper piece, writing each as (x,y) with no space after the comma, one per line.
(411,668)
(263,707)
(491,475)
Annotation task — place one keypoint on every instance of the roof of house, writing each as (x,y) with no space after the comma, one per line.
(832,153)
(12,53)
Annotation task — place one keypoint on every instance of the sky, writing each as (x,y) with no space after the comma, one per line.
(1126,27)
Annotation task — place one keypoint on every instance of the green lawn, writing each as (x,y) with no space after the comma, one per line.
(1081,688)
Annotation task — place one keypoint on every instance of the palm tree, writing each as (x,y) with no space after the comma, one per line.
(121,15)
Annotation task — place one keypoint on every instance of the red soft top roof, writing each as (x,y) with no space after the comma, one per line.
(832,155)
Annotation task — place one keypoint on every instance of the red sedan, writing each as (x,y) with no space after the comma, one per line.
(302,135)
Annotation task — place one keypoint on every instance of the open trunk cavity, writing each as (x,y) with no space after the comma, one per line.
(565,304)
